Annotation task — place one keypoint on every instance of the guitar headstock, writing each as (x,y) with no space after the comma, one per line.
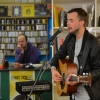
(85,79)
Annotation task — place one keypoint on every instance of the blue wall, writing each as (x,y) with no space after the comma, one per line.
(10,58)
(49,35)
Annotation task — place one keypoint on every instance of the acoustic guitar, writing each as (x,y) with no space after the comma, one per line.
(65,68)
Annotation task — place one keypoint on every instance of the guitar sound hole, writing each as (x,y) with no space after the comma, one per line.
(62,83)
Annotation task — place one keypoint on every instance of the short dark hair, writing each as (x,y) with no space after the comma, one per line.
(24,36)
(81,13)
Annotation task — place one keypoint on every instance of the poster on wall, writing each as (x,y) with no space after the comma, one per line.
(16,11)
(3,11)
(43,9)
(20,76)
(28,10)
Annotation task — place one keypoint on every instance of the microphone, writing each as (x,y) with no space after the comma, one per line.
(56,33)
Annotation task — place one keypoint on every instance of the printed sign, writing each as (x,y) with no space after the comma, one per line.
(28,10)
(19,76)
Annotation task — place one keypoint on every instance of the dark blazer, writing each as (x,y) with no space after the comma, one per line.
(92,64)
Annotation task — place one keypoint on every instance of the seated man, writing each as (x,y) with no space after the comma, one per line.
(25,52)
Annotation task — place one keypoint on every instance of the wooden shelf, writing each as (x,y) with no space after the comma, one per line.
(71,1)
(59,27)
(8,36)
(19,3)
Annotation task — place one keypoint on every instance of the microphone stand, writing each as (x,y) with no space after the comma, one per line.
(50,40)
(37,77)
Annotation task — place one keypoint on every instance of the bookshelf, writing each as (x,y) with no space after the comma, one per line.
(34,28)
(66,5)
(29,17)
(94,28)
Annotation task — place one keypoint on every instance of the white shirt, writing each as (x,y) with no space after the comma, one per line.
(81,93)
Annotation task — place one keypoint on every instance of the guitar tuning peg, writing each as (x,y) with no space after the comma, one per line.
(83,73)
(87,74)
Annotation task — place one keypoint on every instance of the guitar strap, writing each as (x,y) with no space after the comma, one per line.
(85,55)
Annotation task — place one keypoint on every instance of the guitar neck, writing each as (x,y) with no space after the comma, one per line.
(74,78)
(86,79)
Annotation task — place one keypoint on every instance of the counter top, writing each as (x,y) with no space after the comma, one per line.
(34,67)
